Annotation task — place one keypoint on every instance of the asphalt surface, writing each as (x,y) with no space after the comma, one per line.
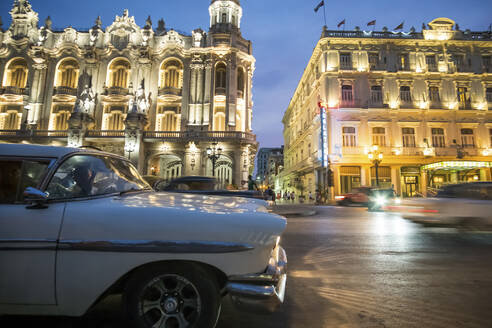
(353,268)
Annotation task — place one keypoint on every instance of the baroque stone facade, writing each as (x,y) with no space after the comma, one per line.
(154,94)
(418,102)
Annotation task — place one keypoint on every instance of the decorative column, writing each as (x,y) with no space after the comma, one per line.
(238,167)
(231,85)
(135,123)
(192,160)
(207,103)
(35,106)
(248,97)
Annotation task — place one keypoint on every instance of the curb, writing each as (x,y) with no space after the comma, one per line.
(290,214)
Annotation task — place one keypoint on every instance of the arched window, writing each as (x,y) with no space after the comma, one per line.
(240,82)
(67,73)
(169,122)
(171,74)
(219,122)
(220,78)
(115,122)
(119,73)
(16,73)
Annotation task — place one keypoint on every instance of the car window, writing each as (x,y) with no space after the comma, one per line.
(86,175)
(9,180)
(17,175)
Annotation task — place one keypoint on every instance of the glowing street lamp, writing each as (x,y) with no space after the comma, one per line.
(214,154)
(376,157)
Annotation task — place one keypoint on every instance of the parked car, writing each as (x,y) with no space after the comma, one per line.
(358,196)
(467,205)
(204,186)
(79,224)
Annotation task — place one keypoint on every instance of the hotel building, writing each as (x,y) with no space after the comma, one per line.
(408,110)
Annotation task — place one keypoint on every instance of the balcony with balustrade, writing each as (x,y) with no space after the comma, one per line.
(232,136)
(170,92)
(14,91)
(64,91)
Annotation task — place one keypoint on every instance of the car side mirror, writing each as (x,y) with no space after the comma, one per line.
(36,197)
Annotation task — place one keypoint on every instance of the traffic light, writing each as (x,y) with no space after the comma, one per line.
(329,176)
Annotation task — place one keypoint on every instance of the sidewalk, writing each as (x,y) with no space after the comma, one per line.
(294,209)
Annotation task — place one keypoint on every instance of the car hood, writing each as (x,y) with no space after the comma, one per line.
(174,216)
(193,202)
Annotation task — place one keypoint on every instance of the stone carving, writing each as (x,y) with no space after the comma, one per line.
(43,36)
(173,37)
(70,35)
(197,38)
(86,102)
(123,31)
(140,103)
(95,31)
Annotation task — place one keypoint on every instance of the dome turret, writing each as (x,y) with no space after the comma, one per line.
(225,12)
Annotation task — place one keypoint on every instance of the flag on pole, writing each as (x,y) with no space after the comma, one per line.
(321,4)
(341,23)
(399,27)
(373,22)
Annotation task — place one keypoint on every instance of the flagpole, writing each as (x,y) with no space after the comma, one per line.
(324,12)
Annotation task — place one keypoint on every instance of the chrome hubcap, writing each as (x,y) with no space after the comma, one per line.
(170,301)
(170,305)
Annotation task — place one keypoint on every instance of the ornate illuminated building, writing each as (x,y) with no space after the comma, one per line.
(408,110)
(159,96)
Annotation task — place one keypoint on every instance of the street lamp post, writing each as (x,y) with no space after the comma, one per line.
(213,154)
(130,148)
(376,157)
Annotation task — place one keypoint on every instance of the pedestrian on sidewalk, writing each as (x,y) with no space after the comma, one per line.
(251,183)
(292,196)
(310,196)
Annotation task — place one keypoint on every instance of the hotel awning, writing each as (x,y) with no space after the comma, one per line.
(456,165)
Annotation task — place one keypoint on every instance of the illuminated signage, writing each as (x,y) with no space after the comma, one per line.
(323,136)
(456,165)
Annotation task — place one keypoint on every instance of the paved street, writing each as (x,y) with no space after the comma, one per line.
(352,268)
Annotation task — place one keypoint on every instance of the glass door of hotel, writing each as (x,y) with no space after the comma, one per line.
(411,186)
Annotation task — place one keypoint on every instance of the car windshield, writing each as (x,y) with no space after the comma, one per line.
(86,175)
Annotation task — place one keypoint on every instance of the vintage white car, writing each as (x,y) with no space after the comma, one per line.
(79,224)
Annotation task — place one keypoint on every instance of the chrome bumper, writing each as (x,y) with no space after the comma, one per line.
(262,292)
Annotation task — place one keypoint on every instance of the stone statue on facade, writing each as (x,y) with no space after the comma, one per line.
(87,101)
(140,104)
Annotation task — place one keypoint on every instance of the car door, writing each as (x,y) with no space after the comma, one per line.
(28,236)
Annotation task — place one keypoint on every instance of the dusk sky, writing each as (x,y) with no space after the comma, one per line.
(283,32)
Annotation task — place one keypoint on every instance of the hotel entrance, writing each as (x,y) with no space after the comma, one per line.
(450,172)
(410,177)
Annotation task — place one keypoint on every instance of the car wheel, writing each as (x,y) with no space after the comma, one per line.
(175,296)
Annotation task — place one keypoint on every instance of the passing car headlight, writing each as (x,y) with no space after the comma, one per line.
(381,200)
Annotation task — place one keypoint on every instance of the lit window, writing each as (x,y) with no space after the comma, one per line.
(438,140)
(379,136)
(346,60)
(467,138)
(405,94)
(349,136)
(408,136)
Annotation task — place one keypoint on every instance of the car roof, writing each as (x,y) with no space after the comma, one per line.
(29,150)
